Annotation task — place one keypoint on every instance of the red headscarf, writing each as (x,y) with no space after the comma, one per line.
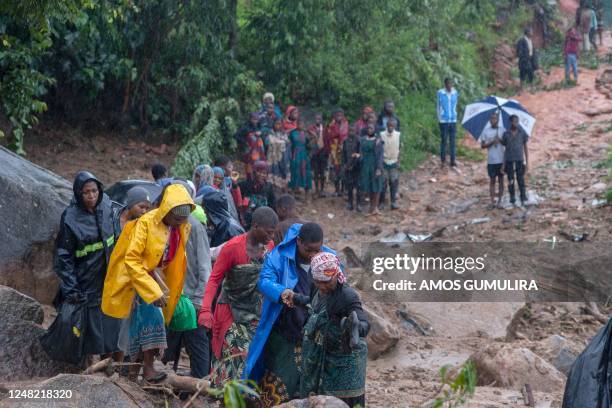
(289,125)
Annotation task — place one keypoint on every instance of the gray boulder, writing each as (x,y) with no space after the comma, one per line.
(383,335)
(31,202)
(21,354)
(316,401)
(15,305)
(87,391)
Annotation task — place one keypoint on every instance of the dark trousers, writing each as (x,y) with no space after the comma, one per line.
(448,131)
(197,346)
(391,175)
(351,183)
(518,168)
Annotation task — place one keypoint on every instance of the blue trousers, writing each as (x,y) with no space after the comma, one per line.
(571,61)
(448,131)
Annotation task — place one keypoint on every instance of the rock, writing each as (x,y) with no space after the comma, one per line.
(88,391)
(598,187)
(14,305)
(558,351)
(351,259)
(510,367)
(21,354)
(316,401)
(31,202)
(383,334)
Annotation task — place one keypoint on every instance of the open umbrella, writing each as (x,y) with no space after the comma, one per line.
(477,115)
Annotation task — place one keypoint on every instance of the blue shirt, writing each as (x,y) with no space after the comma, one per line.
(446,105)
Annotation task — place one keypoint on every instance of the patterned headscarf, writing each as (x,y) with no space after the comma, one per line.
(324,266)
(218,171)
(206,175)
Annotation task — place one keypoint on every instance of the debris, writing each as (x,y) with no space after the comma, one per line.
(330,216)
(574,237)
(351,258)
(419,238)
(464,206)
(480,220)
(399,237)
(410,322)
(432,180)
(528,395)
(598,203)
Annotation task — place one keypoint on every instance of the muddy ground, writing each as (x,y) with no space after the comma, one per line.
(566,177)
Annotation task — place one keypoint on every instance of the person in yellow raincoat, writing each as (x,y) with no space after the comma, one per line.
(146,273)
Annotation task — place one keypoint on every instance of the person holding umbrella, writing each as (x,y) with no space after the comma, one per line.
(516,159)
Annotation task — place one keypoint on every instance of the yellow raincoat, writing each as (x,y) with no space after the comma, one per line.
(138,252)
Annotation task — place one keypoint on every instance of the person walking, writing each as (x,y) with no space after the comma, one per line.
(83,247)
(446,108)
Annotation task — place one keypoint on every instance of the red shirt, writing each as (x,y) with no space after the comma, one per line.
(572,43)
(233,253)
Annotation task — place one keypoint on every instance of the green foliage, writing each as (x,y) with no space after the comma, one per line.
(456,391)
(233,393)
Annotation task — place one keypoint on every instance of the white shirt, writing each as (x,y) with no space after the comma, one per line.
(496,151)
(391,147)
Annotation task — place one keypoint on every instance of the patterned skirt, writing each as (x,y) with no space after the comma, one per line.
(233,354)
(147,329)
(281,380)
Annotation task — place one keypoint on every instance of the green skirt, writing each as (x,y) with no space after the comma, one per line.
(328,368)
(281,380)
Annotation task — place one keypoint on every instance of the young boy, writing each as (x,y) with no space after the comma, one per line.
(491,139)
(350,168)
(516,159)
(391,163)
(334,353)
(319,154)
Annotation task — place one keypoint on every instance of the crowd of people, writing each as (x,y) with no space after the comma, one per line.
(221,268)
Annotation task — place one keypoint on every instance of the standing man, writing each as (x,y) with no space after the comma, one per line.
(491,139)
(571,52)
(516,158)
(527,59)
(585,27)
(388,112)
(447,118)
(391,163)
(275,351)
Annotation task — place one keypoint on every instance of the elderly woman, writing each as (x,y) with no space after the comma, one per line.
(334,353)
(146,274)
(203,178)
(84,244)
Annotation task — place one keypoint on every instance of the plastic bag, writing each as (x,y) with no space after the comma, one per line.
(63,341)
(184,317)
(589,381)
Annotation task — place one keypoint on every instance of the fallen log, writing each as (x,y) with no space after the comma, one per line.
(189,384)
(102,365)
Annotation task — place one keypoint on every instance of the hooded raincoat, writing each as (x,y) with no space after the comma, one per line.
(83,247)
(225,227)
(139,251)
(279,272)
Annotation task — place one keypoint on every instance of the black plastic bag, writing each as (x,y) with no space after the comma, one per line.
(589,382)
(63,341)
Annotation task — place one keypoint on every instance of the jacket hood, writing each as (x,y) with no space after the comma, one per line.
(287,247)
(215,205)
(173,196)
(80,179)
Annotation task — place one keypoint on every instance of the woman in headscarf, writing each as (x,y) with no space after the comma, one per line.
(291,118)
(146,274)
(268,99)
(334,354)
(250,140)
(203,177)
(258,192)
(84,244)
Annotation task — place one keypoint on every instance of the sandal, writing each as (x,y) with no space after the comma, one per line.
(158,377)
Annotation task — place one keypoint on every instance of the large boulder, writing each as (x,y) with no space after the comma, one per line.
(316,401)
(21,354)
(15,305)
(31,202)
(508,367)
(86,391)
(383,334)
